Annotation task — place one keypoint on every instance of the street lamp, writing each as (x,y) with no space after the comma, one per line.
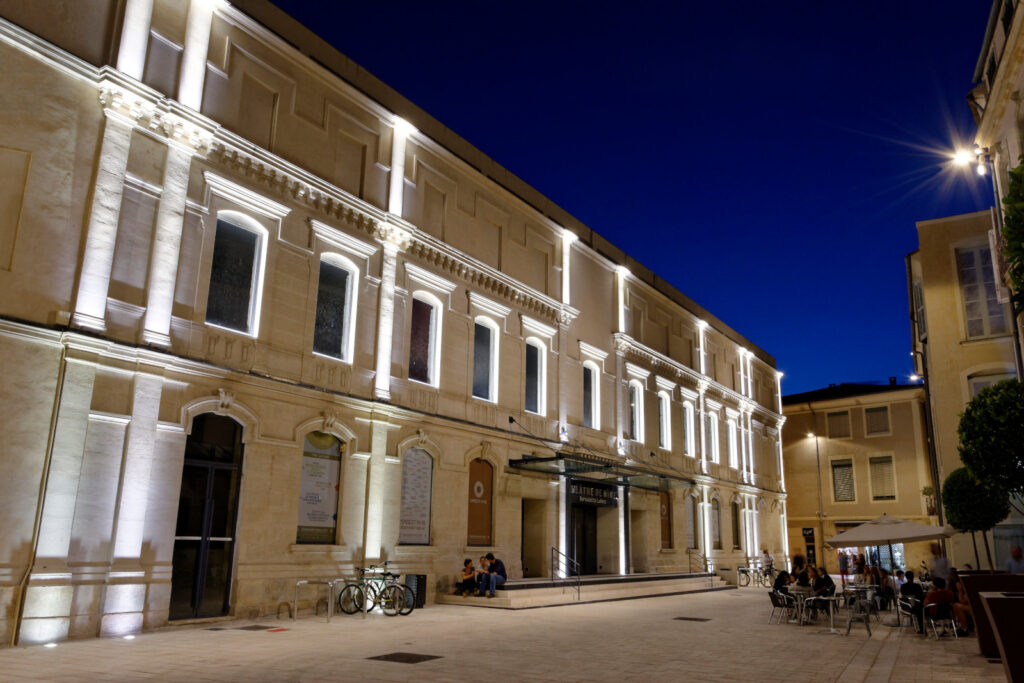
(821,510)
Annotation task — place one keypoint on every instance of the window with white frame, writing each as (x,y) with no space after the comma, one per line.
(838,425)
(636,410)
(425,338)
(688,429)
(978,382)
(713,436)
(236,273)
(883,478)
(876,421)
(334,329)
(843,490)
(664,420)
(734,458)
(983,314)
(591,395)
(485,359)
(716,524)
(535,377)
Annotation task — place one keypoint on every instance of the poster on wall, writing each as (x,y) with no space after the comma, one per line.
(480,486)
(417,473)
(318,490)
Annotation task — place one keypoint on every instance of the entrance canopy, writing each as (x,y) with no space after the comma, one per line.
(602,469)
(887,529)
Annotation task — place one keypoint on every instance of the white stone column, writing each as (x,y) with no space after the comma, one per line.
(785,531)
(49,592)
(751,473)
(385,320)
(623,521)
(193,57)
(104,214)
(373,518)
(131,55)
(396,188)
(563,522)
(568,237)
(163,260)
(125,596)
(620,293)
(702,386)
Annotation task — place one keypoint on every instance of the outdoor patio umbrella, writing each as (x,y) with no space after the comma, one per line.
(889,530)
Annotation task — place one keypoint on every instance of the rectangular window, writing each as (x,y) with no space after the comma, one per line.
(983,314)
(664,414)
(922,322)
(331,311)
(883,478)
(318,489)
(588,396)
(688,429)
(839,425)
(532,378)
(984,381)
(842,481)
(876,420)
(713,437)
(232,277)
(420,341)
(734,460)
(482,361)
(634,417)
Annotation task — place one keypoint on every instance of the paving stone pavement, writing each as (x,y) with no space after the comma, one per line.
(626,640)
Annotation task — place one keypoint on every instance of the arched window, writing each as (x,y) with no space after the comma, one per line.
(535,377)
(591,395)
(485,359)
(334,332)
(691,521)
(636,410)
(736,541)
(425,339)
(417,485)
(664,420)
(716,524)
(481,480)
(318,489)
(688,427)
(236,273)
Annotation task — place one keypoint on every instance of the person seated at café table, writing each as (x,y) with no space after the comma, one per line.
(885,590)
(962,608)
(781,584)
(913,590)
(901,579)
(824,587)
(939,595)
(801,577)
(467,579)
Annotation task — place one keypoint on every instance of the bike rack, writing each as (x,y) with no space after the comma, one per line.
(316,609)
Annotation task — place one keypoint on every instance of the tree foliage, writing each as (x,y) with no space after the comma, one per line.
(1013,233)
(972,505)
(992,436)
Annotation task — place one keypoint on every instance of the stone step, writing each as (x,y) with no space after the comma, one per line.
(550,596)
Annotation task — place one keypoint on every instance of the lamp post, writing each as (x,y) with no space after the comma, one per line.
(821,511)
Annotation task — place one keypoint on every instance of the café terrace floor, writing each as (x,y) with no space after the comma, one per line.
(631,640)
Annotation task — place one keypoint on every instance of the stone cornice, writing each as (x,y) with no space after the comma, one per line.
(633,350)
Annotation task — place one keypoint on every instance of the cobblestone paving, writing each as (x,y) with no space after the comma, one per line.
(627,640)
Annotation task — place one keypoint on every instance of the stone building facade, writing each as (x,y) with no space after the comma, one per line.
(855,452)
(962,342)
(262,319)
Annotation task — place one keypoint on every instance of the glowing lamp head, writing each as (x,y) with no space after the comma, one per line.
(962,157)
(810,435)
(915,377)
(981,169)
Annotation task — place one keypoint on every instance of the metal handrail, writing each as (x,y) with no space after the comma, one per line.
(693,554)
(571,574)
(330,583)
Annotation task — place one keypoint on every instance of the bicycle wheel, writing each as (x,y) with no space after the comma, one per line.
(372,595)
(409,596)
(351,599)
(744,579)
(392,600)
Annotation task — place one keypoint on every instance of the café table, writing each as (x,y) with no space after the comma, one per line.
(833,605)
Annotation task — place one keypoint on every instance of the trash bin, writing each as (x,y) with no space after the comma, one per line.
(418,582)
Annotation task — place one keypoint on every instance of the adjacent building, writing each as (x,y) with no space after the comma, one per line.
(962,341)
(852,453)
(262,319)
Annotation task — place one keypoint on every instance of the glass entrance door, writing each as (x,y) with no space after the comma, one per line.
(204,536)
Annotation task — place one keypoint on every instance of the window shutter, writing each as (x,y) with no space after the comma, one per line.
(877,420)
(839,425)
(883,479)
(842,480)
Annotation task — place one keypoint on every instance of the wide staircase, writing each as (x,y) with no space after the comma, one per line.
(574,589)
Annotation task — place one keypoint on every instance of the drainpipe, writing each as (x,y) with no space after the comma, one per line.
(43,484)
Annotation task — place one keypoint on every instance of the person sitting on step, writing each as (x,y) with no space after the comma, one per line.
(467,582)
(494,577)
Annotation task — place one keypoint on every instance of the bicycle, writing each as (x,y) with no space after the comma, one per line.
(369,591)
(761,576)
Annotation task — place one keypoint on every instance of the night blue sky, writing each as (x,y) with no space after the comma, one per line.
(769,159)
